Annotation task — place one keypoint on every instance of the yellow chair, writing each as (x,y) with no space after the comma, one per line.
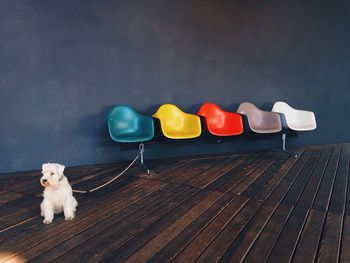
(176,124)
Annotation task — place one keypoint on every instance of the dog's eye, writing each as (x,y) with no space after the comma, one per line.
(52,174)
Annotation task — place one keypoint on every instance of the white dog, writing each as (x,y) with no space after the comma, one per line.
(58,195)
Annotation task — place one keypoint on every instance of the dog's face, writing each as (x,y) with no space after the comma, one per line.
(52,174)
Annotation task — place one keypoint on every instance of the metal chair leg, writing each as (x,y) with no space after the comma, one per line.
(142,164)
(284,138)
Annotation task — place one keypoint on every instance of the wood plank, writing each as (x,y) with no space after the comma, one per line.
(237,175)
(88,177)
(33,188)
(345,244)
(267,167)
(11,209)
(191,231)
(253,187)
(41,232)
(339,192)
(219,246)
(214,171)
(163,166)
(232,176)
(244,242)
(210,176)
(94,177)
(309,241)
(264,245)
(27,184)
(269,180)
(267,239)
(135,243)
(279,184)
(58,235)
(288,239)
(30,220)
(194,249)
(96,247)
(324,194)
(286,182)
(187,255)
(289,236)
(163,238)
(245,239)
(286,245)
(189,171)
(253,207)
(111,222)
(7,197)
(311,189)
(34,223)
(301,181)
(329,248)
(308,245)
(327,179)
(16,217)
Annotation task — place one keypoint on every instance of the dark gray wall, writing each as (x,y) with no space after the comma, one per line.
(64,63)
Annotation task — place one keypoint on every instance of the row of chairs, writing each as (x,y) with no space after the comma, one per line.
(127,125)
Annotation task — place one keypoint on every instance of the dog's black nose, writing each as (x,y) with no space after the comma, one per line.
(45,180)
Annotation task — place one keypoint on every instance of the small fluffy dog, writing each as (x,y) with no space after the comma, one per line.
(58,195)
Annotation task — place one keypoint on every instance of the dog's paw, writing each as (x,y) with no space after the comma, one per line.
(47,221)
(69,218)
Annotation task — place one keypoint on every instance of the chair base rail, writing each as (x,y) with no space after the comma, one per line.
(141,153)
(290,153)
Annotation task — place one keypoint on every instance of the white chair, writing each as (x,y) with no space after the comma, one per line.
(296,120)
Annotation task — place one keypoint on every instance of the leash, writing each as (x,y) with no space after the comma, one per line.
(110,181)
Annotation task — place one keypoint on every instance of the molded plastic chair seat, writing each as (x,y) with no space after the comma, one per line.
(297,120)
(260,121)
(220,122)
(127,125)
(176,124)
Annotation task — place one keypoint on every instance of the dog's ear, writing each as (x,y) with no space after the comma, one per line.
(60,168)
(43,167)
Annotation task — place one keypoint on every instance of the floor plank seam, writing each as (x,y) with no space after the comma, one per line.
(255,207)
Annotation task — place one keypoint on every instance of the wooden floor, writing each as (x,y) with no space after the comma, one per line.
(259,207)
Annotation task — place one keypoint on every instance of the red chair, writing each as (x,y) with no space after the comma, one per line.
(220,122)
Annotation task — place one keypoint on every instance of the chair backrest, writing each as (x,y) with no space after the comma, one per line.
(260,121)
(127,125)
(210,109)
(170,114)
(247,108)
(281,106)
(176,124)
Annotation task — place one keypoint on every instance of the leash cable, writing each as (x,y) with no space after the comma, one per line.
(110,181)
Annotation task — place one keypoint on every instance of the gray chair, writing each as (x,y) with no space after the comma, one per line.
(260,121)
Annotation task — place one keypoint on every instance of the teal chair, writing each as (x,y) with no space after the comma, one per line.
(126,125)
